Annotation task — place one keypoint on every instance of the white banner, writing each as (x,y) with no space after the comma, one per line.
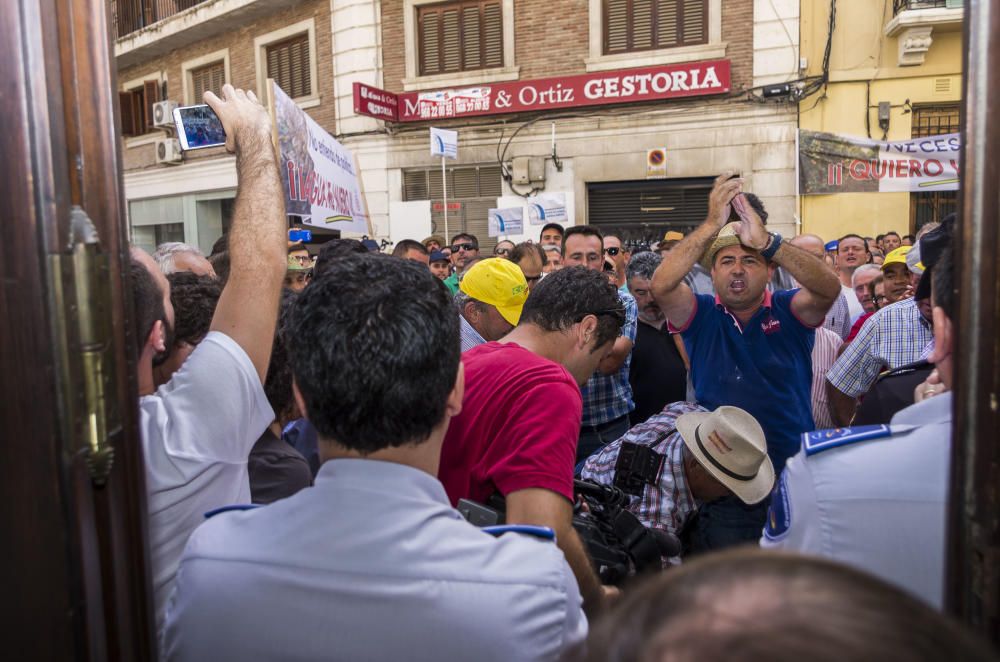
(547,208)
(444,143)
(503,222)
(318,173)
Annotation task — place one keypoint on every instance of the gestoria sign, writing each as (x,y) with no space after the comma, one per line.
(610,87)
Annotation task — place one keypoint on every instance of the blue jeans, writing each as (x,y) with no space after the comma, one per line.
(595,437)
(728,522)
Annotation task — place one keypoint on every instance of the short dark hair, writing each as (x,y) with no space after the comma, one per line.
(194,299)
(375,352)
(406,245)
(943,281)
(465,235)
(298,246)
(643,265)
(220,263)
(565,297)
(716,607)
(526,248)
(585,230)
(891,232)
(278,385)
(757,205)
(851,235)
(221,245)
(910,237)
(552,226)
(147,302)
(879,237)
(334,250)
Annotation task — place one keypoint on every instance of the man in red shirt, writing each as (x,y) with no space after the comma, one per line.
(521,413)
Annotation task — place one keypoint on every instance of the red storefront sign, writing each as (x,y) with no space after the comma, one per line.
(452,206)
(609,87)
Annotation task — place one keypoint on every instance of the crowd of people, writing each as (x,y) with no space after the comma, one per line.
(314,429)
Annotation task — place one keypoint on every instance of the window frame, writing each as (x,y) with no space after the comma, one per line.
(715,48)
(605,38)
(939,202)
(413,81)
(262,42)
(461,6)
(189,66)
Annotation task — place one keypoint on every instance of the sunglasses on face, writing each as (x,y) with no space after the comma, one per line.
(501,251)
(464,247)
(614,250)
(533,279)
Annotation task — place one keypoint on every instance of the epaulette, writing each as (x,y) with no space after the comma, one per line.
(543,532)
(226,509)
(822,440)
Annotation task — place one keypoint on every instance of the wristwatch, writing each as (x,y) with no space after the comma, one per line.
(773,242)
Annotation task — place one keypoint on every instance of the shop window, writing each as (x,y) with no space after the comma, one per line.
(642,25)
(931,207)
(136,106)
(460,36)
(288,65)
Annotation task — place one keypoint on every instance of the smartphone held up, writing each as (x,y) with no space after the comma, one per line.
(198,127)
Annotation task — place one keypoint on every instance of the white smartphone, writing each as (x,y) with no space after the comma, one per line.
(198,127)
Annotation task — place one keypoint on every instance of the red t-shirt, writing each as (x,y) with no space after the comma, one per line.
(518,428)
(860,322)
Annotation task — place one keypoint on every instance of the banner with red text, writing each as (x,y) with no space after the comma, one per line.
(831,163)
(318,173)
(675,81)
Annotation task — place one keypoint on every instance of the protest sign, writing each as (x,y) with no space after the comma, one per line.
(319,175)
(503,222)
(830,163)
(547,208)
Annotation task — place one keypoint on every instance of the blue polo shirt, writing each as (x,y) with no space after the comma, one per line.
(764,367)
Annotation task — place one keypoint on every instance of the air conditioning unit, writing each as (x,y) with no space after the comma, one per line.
(168,151)
(163,114)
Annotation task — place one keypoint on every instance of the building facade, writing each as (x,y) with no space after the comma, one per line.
(638,164)
(905,55)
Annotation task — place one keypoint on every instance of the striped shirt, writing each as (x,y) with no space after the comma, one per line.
(607,397)
(469,336)
(667,504)
(823,355)
(894,336)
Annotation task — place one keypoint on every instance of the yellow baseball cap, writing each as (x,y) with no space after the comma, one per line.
(897,256)
(500,283)
(673,235)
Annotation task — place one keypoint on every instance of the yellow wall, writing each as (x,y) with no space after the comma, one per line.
(861,57)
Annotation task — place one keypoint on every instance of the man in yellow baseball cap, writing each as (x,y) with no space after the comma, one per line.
(489,301)
(899,284)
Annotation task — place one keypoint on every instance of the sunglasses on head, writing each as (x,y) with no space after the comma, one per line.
(501,251)
(618,312)
(464,247)
(614,250)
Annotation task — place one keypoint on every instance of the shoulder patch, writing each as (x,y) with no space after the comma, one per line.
(779,513)
(821,440)
(543,532)
(226,509)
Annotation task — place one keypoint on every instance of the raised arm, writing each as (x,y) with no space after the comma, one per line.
(672,294)
(248,308)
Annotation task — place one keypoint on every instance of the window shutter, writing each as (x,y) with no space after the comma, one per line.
(415,185)
(472,38)
(666,23)
(451,40)
(493,35)
(460,36)
(695,22)
(208,78)
(288,65)
(642,25)
(128,118)
(430,54)
(151,94)
(616,26)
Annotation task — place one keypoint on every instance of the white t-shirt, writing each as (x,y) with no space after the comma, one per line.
(197,431)
(853,305)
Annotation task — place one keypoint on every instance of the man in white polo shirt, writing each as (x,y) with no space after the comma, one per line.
(197,429)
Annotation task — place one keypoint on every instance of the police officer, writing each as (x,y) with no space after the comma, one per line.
(875,497)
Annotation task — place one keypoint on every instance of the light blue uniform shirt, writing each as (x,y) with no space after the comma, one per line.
(371,563)
(879,504)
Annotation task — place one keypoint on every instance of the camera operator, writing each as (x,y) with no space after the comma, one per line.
(683,457)
(518,431)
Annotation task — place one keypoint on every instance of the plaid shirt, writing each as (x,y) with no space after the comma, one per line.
(894,336)
(668,504)
(468,336)
(607,397)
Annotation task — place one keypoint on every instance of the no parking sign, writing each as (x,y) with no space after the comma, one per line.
(656,163)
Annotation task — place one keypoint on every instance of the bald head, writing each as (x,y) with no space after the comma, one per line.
(810,243)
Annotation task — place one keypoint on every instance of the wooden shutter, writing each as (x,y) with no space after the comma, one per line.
(460,36)
(150,94)
(128,117)
(641,25)
(288,65)
(211,77)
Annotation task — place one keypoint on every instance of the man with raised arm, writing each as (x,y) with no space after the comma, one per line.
(198,428)
(748,347)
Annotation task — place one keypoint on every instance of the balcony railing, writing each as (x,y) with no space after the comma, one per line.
(903,5)
(132,15)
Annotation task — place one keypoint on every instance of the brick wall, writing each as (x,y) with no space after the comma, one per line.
(242,64)
(552,38)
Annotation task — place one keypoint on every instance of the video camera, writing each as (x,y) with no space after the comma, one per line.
(619,544)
